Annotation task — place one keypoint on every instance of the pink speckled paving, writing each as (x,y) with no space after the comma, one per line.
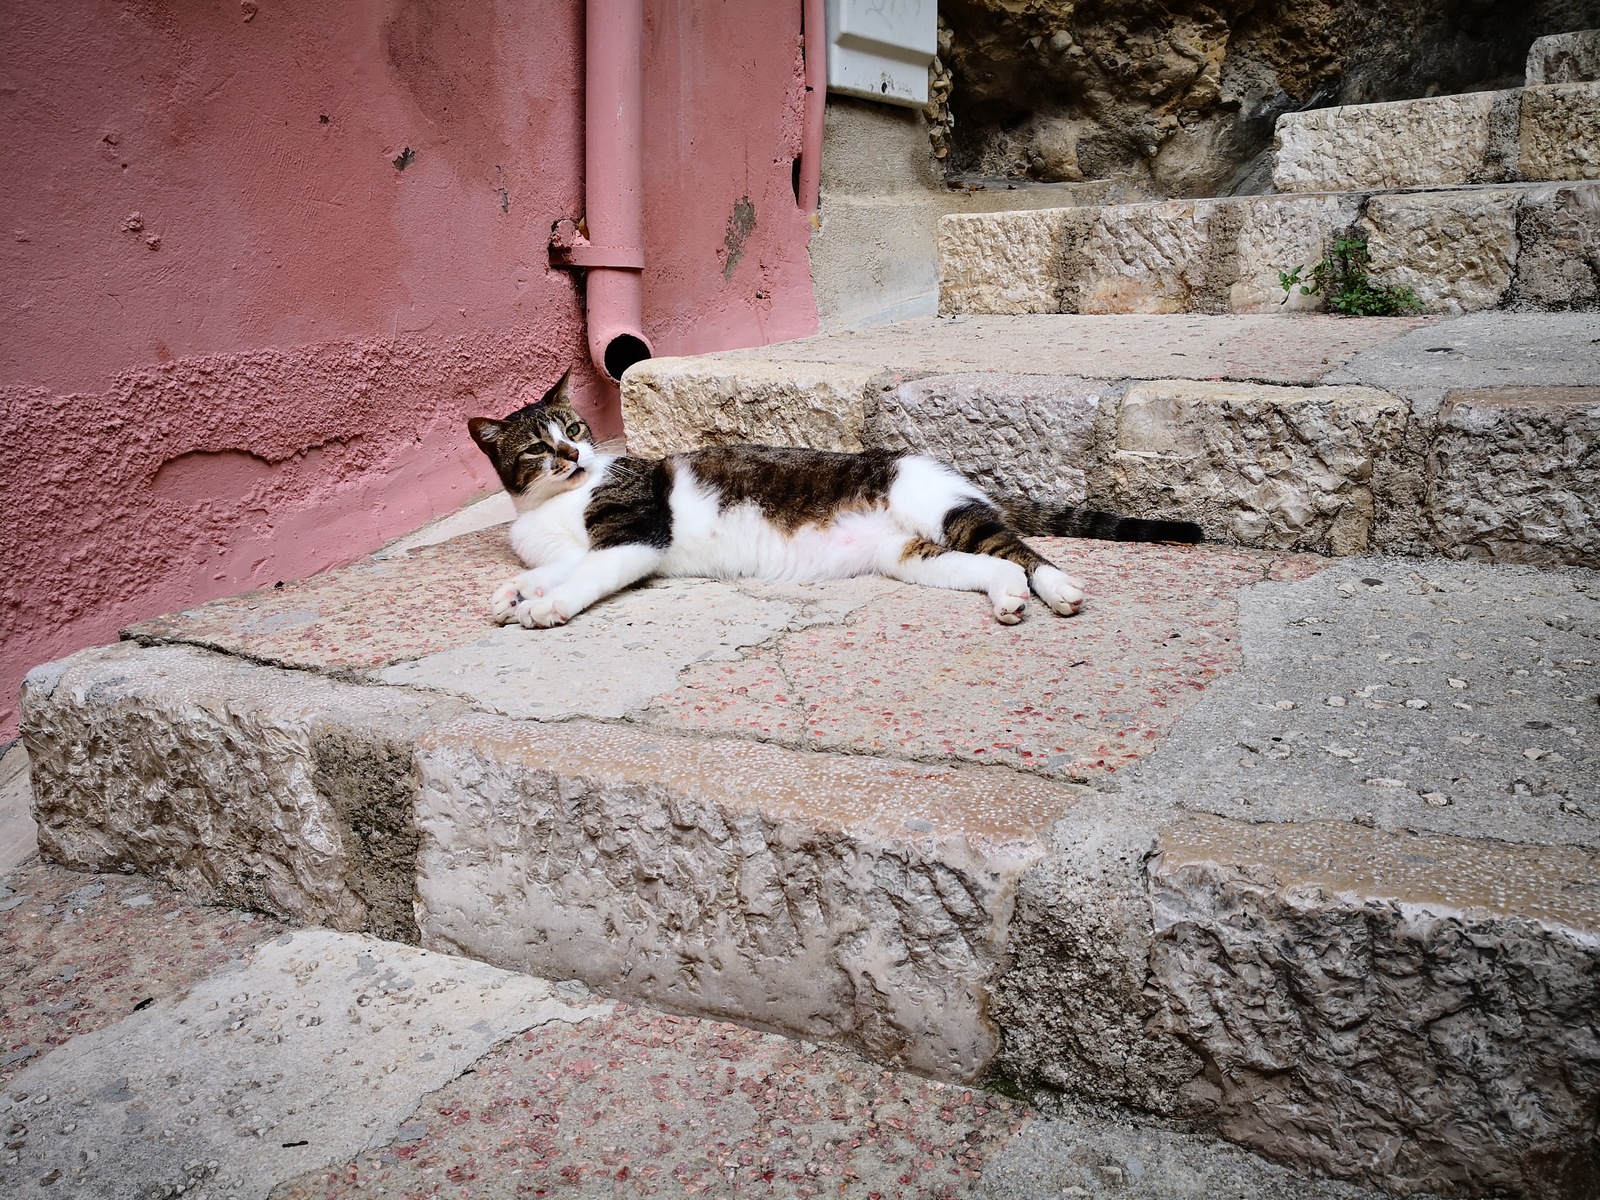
(83,951)
(375,612)
(923,673)
(639,1103)
(916,672)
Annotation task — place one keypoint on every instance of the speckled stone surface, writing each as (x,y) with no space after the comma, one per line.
(79,952)
(867,666)
(639,1103)
(381,610)
(921,673)
(1403,694)
(314,1046)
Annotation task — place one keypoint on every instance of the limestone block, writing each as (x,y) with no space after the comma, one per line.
(1565,58)
(1515,475)
(674,404)
(1558,259)
(1561,132)
(1279,234)
(238,784)
(1455,250)
(1013,435)
(1434,142)
(1004,263)
(1173,256)
(841,897)
(1083,931)
(1414,1011)
(1273,467)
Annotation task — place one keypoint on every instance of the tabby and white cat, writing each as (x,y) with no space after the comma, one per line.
(591,523)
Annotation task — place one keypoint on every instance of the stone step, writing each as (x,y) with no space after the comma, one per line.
(1546,132)
(1317,433)
(1521,247)
(1565,58)
(1188,883)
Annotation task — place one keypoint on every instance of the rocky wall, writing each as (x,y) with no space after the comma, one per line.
(1182,96)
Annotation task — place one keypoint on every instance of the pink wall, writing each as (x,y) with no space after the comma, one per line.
(240,344)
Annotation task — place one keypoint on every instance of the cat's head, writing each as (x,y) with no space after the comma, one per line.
(542,449)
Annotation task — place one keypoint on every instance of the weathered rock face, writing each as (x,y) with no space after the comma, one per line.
(230,782)
(704,876)
(1289,468)
(1184,95)
(1382,964)
(1015,435)
(1548,510)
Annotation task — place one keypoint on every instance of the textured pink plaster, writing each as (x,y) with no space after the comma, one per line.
(724,99)
(240,342)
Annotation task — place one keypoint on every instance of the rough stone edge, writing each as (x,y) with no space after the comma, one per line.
(865,891)
(1104,919)
(1581,48)
(1299,170)
(1225,225)
(671,405)
(1463,419)
(1386,428)
(119,737)
(980,242)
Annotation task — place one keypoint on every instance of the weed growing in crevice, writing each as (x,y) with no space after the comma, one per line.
(1341,279)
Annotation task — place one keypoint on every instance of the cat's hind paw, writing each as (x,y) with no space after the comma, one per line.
(1010,598)
(1060,591)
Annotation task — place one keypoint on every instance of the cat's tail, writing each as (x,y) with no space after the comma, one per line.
(1065,520)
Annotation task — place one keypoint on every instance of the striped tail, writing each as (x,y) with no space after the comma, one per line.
(1064,520)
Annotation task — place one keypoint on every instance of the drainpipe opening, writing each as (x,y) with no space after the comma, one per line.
(622,352)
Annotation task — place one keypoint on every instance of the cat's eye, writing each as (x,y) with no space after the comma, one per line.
(537,450)
(575,430)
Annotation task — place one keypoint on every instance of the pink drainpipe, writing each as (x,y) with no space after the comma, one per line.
(611,247)
(816,51)
(612,253)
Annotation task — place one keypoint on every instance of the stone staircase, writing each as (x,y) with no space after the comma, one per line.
(1473,202)
(1203,852)
(1296,849)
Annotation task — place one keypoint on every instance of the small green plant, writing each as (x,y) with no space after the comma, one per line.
(1342,281)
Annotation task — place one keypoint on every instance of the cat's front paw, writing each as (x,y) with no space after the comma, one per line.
(540,612)
(503,604)
(1060,591)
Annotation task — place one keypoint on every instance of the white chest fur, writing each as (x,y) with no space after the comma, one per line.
(554,531)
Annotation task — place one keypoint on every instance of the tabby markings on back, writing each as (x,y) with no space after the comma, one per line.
(591,523)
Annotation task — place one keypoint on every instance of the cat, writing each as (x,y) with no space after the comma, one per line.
(592,522)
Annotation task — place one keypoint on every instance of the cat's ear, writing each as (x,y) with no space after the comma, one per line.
(558,394)
(486,432)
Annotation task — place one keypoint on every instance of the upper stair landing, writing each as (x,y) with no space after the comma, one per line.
(1565,58)
(1487,200)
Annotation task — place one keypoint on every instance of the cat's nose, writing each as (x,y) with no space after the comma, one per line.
(570,453)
